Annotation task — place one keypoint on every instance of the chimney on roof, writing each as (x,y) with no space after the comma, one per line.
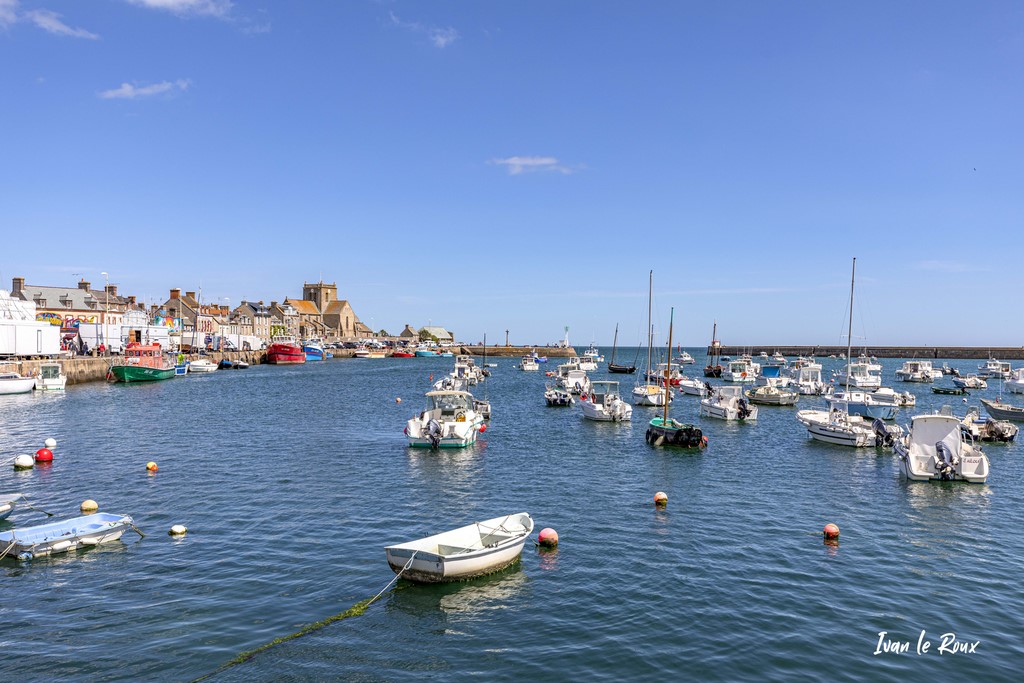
(273,304)
(82,284)
(175,293)
(111,290)
(190,295)
(131,300)
(17,284)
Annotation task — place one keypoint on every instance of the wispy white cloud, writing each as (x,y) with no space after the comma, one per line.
(51,23)
(440,37)
(45,19)
(517,165)
(8,12)
(129,91)
(948,267)
(210,8)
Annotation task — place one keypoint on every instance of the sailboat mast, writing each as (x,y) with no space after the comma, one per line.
(849,331)
(668,368)
(650,328)
(615,342)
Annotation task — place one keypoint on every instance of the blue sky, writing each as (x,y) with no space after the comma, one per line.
(523,165)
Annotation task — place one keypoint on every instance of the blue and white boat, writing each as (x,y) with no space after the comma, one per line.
(314,349)
(64,536)
(861,403)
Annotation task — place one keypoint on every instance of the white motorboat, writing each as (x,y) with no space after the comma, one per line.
(450,420)
(575,381)
(51,377)
(772,391)
(988,429)
(838,427)
(1015,384)
(728,403)
(806,374)
(463,553)
(994,369)
(594,355)
(936,449)
(585,363)
(918,371)
(604,403)
(528,364)
(743,369)
(14,383)
(557,395)
(972,381)
(202,365)
(859,376)
(683,358)
(900,399)
(693,386)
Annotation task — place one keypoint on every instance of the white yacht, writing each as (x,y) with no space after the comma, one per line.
(51,377)
(593,354)
(450,420)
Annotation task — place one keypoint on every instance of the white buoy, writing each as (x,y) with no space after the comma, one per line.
(50,443)
(24,462)
(178,530)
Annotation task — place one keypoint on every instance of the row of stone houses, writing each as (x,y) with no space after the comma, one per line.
(319,313)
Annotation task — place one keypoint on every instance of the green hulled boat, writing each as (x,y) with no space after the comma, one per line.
(141,363)
(666,431)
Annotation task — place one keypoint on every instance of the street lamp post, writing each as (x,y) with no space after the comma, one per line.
(106,308)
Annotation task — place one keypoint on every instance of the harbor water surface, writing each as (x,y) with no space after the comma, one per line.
(291,480)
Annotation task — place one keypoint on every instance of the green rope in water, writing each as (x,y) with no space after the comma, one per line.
(355,610)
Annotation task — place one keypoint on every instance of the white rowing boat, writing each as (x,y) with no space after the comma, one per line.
(64,536)
(463,553)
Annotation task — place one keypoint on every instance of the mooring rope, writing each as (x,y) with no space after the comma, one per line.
(353,611)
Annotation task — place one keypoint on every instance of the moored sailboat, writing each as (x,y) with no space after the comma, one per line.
(666,431)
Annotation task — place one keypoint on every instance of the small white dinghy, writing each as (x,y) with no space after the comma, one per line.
(473,550)
(8,501)
(26,543)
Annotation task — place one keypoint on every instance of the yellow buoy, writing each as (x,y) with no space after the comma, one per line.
(89,505)
(151,466)
(661,499)
(398,399)
(178,530)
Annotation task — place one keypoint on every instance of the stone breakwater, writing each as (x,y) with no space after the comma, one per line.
(912,352)
(81,369)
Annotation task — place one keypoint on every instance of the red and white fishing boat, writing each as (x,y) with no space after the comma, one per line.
(284,350)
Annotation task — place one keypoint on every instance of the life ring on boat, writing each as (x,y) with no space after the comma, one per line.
(743,374)
(460,416)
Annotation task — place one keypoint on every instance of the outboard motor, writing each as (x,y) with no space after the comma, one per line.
(434,431)
(882,435)
(946,462)
(743,411)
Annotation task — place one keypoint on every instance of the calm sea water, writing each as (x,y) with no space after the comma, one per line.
(292,480)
